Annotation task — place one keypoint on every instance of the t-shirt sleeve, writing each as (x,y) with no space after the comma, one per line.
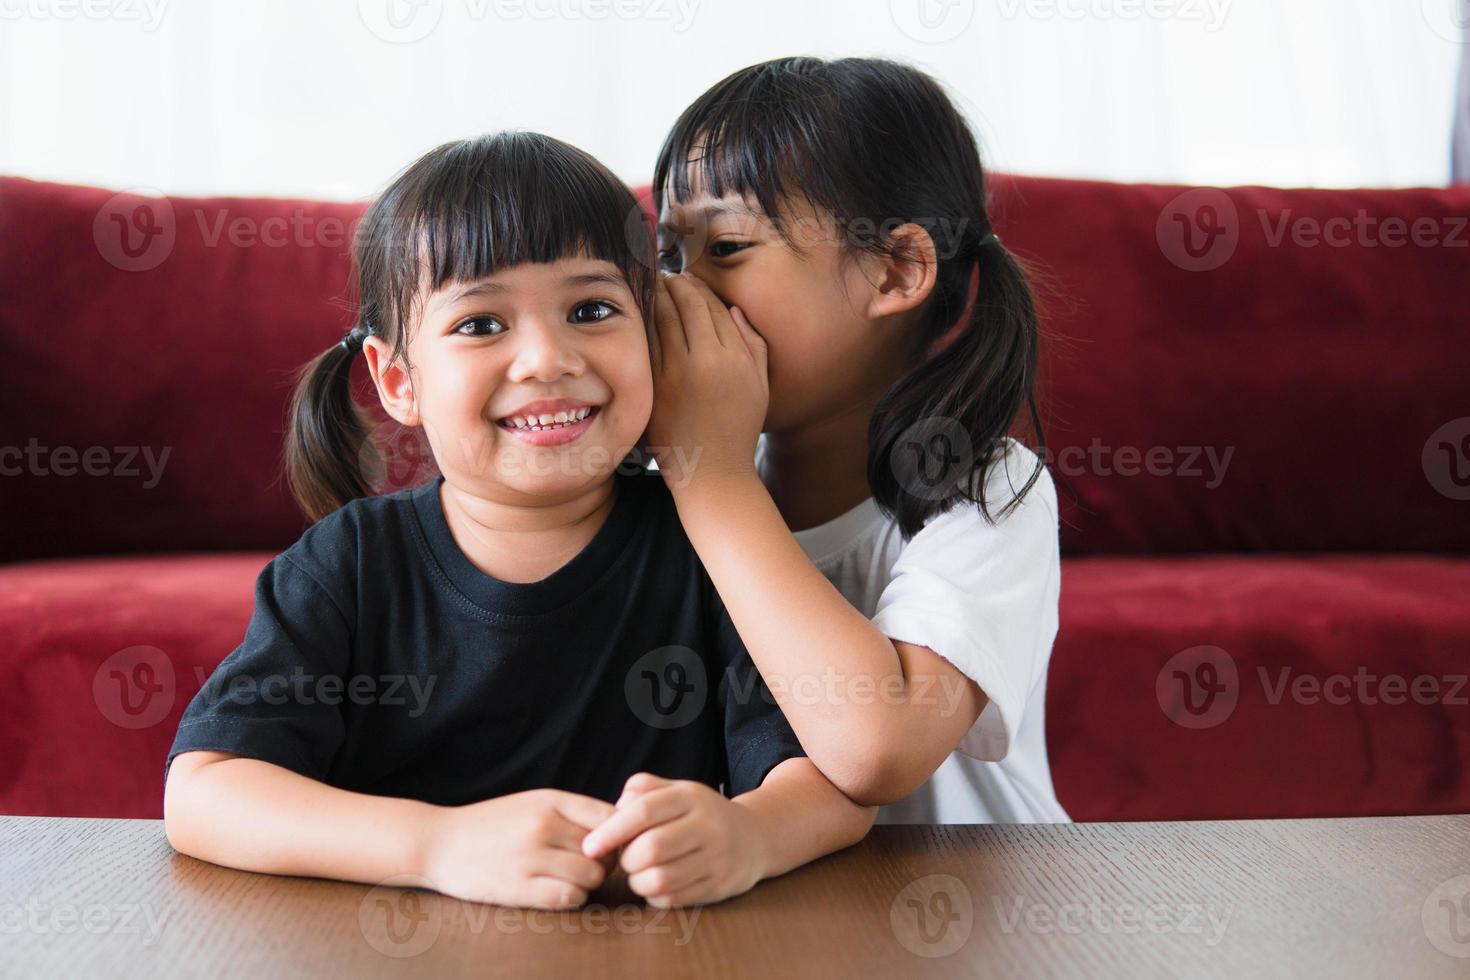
(757,735)
(984,597)
(277,697)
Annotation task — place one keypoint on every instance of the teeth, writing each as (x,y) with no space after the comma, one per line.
(547,420)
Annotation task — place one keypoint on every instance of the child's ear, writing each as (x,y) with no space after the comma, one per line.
(391,378)
(906,274)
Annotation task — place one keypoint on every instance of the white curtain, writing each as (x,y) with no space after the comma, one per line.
(330,98)
(1461,164)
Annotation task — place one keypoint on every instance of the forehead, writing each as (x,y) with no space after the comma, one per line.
(702,207)
(569,273)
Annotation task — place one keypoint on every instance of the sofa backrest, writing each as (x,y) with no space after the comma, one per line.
(1253,369)
(1242,389)
(138,327)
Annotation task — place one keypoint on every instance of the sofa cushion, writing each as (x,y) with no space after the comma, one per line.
(105,654)
(102,656)
(1235,687)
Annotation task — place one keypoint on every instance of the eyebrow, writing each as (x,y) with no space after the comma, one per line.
(487,287)
(719,208)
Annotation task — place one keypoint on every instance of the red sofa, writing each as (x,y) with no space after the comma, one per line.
(1258,406)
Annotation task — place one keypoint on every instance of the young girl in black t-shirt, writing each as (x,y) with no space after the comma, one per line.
(446,685)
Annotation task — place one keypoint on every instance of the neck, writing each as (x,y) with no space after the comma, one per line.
(522,543)
(819,471)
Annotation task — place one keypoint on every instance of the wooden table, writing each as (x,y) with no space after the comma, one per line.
(1378,897)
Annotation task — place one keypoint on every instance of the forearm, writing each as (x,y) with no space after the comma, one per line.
(800,816)
(252,815)
(801,633)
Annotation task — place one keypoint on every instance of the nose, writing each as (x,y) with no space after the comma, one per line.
(545,351)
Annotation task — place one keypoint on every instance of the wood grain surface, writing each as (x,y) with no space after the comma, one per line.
(1376,897)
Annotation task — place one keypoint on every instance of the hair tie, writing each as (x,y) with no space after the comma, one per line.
(990,239)
(351,341)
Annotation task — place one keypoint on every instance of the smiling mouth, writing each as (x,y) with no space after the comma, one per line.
(548,421)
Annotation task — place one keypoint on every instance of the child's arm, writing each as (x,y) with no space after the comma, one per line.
(522,849)
(798,628)
(688,845)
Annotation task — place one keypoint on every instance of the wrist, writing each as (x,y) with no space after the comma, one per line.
(755,838)
(428,830)
(715,479)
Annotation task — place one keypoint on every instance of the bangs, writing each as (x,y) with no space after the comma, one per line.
(757,134)
(471,209)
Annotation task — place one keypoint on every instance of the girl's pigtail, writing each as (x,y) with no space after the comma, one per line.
(968,391)
(324,465)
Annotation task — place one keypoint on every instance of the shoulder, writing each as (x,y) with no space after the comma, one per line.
(1022,522)
(1007,479)
(332,549)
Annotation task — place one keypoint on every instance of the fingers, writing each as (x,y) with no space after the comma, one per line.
(669,879)
(694,311)
(583,811)
(569,867)
(664,844)
(726,333)
(667,324)
(643,813)
(695,893)
(640,783)
(753,341)
(544,892)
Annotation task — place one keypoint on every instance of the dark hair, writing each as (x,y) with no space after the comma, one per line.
(462,211)
(873,140)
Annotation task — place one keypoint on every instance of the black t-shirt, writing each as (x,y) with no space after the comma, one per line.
(379,659)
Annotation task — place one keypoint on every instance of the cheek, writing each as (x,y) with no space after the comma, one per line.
(625,368)
(454,389)
(806,325)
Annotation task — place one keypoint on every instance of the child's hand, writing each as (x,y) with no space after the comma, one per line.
(524,849)
(710,385)
(683,843)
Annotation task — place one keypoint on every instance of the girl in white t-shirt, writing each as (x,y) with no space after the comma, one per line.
(887,552)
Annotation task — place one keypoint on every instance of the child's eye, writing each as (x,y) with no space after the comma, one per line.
(725,249)
(668,259)
(594,312)
(482,326)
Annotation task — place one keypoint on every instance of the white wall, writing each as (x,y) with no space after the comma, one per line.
(294,97)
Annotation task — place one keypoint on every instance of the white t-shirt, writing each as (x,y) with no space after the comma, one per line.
(984,597)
